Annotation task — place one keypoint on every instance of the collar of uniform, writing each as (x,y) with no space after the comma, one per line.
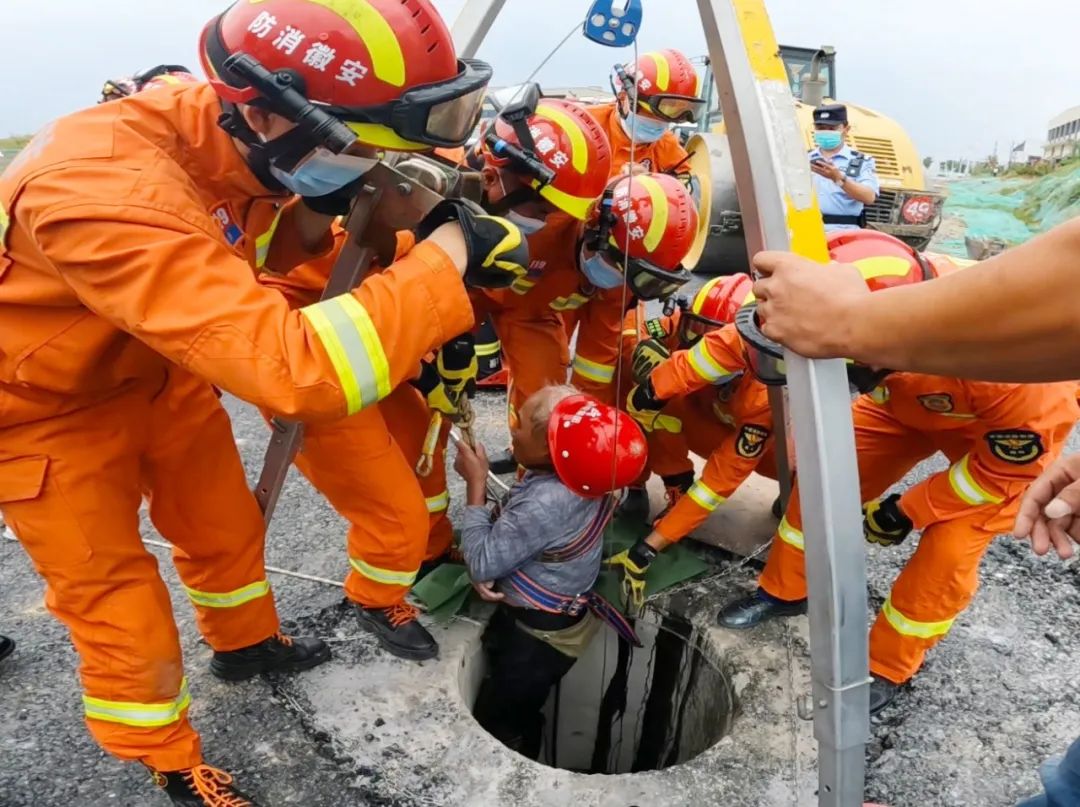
(210,154)
(845,152)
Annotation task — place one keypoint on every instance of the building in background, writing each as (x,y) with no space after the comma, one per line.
(1063,136)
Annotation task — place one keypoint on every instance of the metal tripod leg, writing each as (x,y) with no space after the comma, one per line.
(349,268)
(780,212)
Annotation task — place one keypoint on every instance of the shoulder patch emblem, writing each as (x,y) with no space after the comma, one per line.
(223,215)
(1018,446)
(751,441)
(940,402)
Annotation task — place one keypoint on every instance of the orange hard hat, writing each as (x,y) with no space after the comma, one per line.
(386,69)
(647,223)
(667,85)
(568,161)
(714,306)
(595,448)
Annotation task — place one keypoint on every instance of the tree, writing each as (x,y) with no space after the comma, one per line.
(927,162)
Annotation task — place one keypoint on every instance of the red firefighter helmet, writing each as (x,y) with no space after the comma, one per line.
(568,162)
(884,262)
(595,448)
(667,86)
(649,223)
(387,69)
(714,306)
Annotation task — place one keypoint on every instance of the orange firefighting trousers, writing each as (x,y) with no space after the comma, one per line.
(535,351)
(70,488)
(939,580)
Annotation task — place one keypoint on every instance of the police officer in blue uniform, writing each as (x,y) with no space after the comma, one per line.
(845,180)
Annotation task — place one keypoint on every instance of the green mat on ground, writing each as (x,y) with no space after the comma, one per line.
(444,591)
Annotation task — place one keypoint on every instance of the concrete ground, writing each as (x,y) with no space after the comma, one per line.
(994,699)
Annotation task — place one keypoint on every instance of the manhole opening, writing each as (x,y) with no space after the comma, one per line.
(625,709)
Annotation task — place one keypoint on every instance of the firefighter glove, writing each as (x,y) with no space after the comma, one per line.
(457,367)
(884,523)
(644,407)
(439,398)
(497,251)
(648,355)
(633,566)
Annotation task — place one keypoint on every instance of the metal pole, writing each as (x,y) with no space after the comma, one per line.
(472,25)
(780,211)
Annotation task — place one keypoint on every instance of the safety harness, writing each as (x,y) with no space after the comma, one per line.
(544,599)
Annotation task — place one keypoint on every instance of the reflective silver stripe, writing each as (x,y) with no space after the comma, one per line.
(230,599)
(704,496)
(790,535)
(387,577)
(143,715)
(594,371)
(705,365)
(354,348)
(436,504)
(965,486)
(906,626)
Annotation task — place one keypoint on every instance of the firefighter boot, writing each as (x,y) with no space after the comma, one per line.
(757,608)
(882,692)
(7,647)
(279,653)
(201,786)
(399,631)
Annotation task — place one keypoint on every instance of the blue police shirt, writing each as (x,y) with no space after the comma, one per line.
(831,196)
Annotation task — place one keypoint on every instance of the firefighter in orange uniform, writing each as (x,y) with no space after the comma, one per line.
(667,93)
(704,416)
(529,169)
(128,237)
(997,438)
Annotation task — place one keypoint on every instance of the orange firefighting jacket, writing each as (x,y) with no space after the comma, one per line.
(996,437)
(713,376)
(554,284)
(660,156)
(128,237)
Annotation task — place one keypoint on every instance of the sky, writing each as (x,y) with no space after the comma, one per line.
(959,75)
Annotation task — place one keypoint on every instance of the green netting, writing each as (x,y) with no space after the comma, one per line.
(446,590)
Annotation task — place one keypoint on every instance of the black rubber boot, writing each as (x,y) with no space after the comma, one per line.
(502,462)
(201,786)
(7,647)
(757,608)
(399,631)
(635,504)
(279,653)
(882,693)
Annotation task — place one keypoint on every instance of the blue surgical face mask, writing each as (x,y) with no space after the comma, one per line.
(599,271)
(527,224)
(322,173)
(828,139)
(643,130)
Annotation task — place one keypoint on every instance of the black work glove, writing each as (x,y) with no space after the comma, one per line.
(648,355)
(497,251)
(457,366)
(337,203)
(884,523)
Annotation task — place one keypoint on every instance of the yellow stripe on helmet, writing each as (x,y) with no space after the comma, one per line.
(663,69)
(579,149)
(882,266)
(703,294)
(387,60)
(576,206)
(658,225)
(383,137)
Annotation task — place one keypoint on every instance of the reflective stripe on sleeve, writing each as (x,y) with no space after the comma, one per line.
(438,503)
(965,486)
(705,497)
(570,302)
(346,331)
(705,365)
(790,535)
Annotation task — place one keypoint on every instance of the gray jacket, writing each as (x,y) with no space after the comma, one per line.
(541,514)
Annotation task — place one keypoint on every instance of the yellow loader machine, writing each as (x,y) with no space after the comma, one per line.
(906,207)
